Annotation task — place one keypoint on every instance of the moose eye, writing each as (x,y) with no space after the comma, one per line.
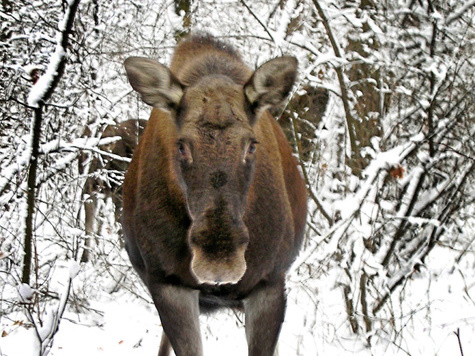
(181,148)
(250,150)
(183,152)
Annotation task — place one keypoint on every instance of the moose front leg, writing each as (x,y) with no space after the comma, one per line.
(265,311)
(179,311)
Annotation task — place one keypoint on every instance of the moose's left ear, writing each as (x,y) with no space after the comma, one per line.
(271,83)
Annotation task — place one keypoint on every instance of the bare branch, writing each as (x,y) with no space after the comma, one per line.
(457,333)
(258,20)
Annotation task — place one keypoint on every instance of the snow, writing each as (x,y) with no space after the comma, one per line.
(74,268)
(122,324)
(101,308)
(25,292)
(459,11)
(41,87)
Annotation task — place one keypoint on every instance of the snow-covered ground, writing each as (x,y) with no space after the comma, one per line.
(118,323)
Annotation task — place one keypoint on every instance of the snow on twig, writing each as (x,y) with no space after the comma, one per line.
(382,162)
(459,12)
(58,145)
(47,332)
(44,87)
(39,91)
(37,98)
(8,173)
(83,144)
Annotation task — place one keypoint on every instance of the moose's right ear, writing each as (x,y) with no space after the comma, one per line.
(154,82)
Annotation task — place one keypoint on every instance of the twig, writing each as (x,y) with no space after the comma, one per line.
(457,333)
(48,339)
(458,13)
(341,77)
(405,211)
(310,190)
(364,306)
(258,20)
(350,309)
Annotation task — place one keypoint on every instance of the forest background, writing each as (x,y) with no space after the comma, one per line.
(381,120)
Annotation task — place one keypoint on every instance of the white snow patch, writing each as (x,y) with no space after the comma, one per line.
(25,292)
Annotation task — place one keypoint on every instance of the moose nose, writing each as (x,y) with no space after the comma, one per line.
(218,244)
(218,262)
(219,237)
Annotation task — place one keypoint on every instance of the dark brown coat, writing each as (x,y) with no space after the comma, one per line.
(214,205)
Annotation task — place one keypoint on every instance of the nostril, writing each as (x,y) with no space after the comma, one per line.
(218,179)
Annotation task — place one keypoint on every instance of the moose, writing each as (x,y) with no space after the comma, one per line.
(105,174)
(214,205)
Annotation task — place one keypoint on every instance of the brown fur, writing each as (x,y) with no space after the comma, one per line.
(205,217)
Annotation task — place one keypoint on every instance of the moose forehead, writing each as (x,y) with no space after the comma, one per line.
(215,103)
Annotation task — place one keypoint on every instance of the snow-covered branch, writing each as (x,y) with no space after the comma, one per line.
(345,97)
(47,330)
(37,98)
(455,15)
(351,206)
(57,146)
(45,86)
